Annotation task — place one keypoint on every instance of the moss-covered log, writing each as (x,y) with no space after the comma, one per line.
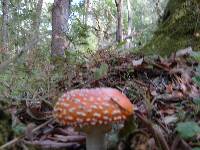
(178,28)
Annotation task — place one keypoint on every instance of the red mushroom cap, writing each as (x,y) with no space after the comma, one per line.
(92,107)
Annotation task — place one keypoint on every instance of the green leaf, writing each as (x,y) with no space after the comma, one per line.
(196,101)
(196,80)
(187,129)
(196,148)
(19,129)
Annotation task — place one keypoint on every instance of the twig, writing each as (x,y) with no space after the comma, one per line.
(12,142)
(180,143)
(158,137)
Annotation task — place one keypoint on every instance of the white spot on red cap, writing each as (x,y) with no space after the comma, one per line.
(81,107)
(98,98)
(106,112)
(116,112)
(65,104)
(89,110)
(105,104)
(94,106)
(88,119)
(81,113)
(105,117)
(79,120)
(69,118)
(71,110)
(100,107)
(91,99)
(76,100)
(100,121)
(97,115)
(93,123)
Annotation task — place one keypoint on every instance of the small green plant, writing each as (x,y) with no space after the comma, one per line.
(101,72)
(188,129)
(196,80)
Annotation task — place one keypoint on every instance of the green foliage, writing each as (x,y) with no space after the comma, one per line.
(187,130)
(196,56)
(101,72)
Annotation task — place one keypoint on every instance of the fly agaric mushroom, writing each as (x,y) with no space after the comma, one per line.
(93,110)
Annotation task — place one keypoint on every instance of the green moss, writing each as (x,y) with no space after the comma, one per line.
(177,28)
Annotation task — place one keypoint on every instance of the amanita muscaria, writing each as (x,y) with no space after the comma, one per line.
(94,111)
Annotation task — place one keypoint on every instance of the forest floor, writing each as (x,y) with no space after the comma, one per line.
(165,92)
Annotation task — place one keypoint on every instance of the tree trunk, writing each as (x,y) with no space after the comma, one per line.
(37,18)
(60,16)
(87,4)
(178,28)
(128,45)
(5,4)
(119,31)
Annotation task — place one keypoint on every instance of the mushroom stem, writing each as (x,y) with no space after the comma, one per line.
(95,138)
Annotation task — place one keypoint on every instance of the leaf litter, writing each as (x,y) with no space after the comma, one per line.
(163,91)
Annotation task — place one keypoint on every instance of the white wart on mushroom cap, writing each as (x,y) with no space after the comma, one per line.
(99,106)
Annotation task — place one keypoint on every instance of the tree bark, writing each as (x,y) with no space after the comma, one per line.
(129,23)
(60,16)
(5,4)
(87,4)
(119,31)
(37,18)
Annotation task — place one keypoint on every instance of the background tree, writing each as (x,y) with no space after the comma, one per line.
(129,24)
(37,18)
(60,16)
(5,7)
(119,30)
(87,4)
